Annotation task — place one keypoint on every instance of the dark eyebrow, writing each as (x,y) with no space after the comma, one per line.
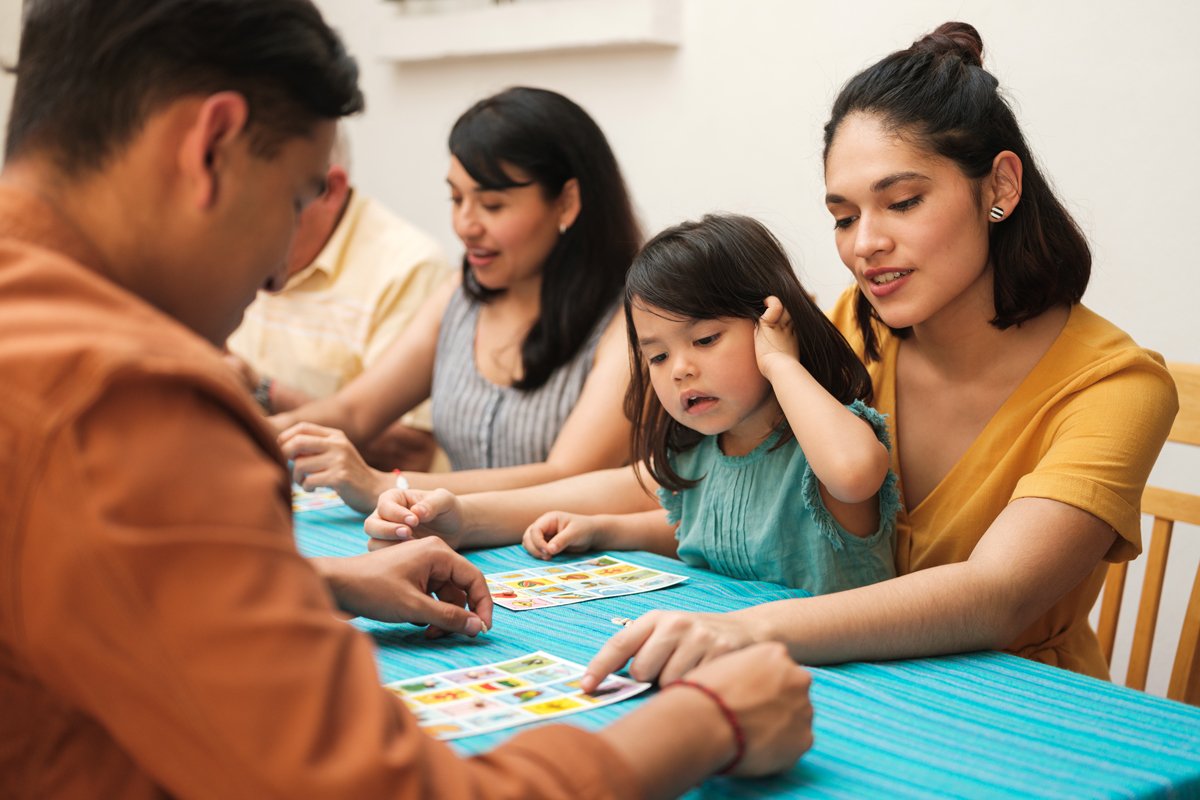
(880,185)
(477,189)
(690,324)
(890,180)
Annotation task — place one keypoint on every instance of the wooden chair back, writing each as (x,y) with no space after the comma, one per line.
(1166,507)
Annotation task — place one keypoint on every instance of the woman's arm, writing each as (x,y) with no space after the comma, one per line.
(1013,577)
(489,519)
(392,386)
(595,436)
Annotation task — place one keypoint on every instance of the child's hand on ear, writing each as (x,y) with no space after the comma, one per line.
(774,338)
(557,531)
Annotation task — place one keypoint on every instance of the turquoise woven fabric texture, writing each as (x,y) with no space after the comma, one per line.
(977,725)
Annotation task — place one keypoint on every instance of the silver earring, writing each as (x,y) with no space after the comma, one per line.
(997,213)
(561,229)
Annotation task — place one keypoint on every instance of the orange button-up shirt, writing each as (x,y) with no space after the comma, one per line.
(159,633)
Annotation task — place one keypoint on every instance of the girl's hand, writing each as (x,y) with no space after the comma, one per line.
(404,514)
(557,531)
(774,338)
(325,457)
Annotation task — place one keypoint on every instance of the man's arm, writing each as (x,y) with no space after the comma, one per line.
(176,613)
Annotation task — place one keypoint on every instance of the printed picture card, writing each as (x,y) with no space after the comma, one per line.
(311,501)
(579,581)
(491,697)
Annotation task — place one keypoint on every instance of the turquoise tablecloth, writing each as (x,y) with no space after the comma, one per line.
(974,725)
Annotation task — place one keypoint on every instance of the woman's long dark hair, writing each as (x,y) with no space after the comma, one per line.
(938,95)
(723,266)
(551,139)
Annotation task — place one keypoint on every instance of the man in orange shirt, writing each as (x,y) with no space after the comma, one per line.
(159,633)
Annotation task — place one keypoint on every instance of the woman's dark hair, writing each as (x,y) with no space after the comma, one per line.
(723,266)
(551,139)
(90,72)
(937,95)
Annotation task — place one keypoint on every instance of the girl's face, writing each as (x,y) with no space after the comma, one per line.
(508,233)
(908,225)
(705,375)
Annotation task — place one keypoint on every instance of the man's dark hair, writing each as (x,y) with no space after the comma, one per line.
(90,72)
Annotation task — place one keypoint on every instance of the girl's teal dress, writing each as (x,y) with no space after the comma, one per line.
(760,517)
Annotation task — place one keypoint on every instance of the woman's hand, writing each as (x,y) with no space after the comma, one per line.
(404,514)
(559,531)
(666,644)
(774,336)
(325,457)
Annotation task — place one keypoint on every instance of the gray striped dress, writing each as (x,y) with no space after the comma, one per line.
(481,425)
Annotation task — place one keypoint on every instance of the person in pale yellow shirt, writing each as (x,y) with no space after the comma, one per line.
(357,274)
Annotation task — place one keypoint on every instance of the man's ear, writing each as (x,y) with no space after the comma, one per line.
(337,186)
(1005,182)
(569,204)
(205,154)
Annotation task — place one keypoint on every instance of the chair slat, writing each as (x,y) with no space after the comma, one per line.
(1147,616)
(1110,607)
(1168,504)
(1166,507)
(1185,675)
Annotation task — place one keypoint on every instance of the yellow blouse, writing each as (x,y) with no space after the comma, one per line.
(1083,428)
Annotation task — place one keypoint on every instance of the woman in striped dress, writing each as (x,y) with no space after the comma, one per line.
(523,356)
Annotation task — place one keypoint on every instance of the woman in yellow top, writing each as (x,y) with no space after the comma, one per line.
(1024,425)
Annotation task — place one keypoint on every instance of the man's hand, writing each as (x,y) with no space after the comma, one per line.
(422,581)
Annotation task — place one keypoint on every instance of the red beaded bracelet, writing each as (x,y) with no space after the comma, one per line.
(739,738)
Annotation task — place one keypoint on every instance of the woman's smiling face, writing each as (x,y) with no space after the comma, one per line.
(508,233)
(908,224)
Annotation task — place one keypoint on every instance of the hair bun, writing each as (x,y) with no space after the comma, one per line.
(953,38)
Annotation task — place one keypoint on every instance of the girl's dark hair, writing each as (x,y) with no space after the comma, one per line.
(551,139)
(90,72)
(725,265)
(938,95)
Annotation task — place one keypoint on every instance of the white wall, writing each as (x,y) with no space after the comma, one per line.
(10,28)
(732,120)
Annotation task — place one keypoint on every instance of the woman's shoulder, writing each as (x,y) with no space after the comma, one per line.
(1091,347)
(1095,365)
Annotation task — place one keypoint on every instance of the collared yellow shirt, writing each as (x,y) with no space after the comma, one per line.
(338,315)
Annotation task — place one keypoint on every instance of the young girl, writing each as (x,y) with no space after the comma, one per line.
(769,463)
